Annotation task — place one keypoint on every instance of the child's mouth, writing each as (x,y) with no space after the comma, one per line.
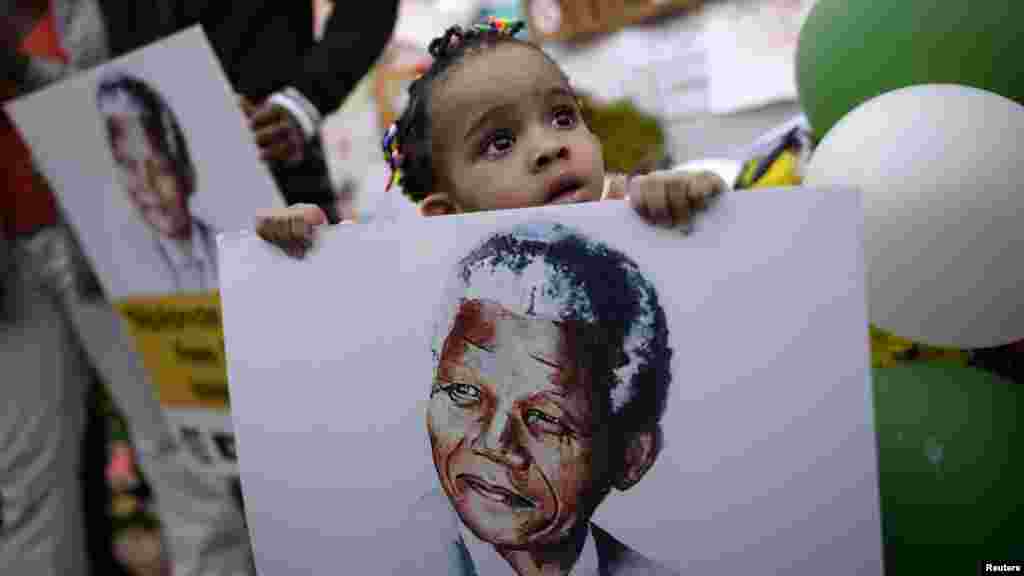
(564,190)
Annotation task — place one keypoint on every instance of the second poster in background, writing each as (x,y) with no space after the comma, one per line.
(151,159)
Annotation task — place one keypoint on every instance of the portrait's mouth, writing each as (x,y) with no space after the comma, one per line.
(495,493)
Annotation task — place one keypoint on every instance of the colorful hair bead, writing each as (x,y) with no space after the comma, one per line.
(500,26)
(393,156)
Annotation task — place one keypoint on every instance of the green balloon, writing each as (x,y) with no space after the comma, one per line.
(851,51)
(951,467)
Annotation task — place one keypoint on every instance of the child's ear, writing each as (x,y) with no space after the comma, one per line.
(440,204)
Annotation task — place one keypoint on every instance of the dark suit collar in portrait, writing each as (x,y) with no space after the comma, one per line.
(485,557)
(432,543)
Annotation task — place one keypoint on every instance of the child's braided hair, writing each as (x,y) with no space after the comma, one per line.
(407,144)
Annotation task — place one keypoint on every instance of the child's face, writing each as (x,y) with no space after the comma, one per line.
(507,133)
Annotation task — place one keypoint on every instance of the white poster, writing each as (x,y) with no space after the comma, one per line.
(151,157)
(140,148)
(560,388)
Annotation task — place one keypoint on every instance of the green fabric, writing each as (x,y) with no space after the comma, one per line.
(951,466)
(851,51)
(631,139)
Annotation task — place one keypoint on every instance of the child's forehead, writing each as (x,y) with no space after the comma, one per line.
(497,74)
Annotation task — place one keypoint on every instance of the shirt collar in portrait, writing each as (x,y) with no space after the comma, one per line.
(488,562)
(179,259)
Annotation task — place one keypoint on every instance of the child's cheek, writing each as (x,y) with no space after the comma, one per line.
(596,152)
(591,160)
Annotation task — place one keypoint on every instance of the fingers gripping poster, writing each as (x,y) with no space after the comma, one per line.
(150,159)
(560,390)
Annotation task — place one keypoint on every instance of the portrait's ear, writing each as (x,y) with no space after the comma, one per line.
(439,204)
(188,178)
(641,452)
(425,411)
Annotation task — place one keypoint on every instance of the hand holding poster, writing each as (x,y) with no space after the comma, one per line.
(150,158)
(560,387)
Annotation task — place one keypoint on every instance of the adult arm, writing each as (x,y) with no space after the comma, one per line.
(352,42)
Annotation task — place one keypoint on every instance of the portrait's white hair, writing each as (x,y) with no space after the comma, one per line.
(119,103)
(532,285)
(115,97)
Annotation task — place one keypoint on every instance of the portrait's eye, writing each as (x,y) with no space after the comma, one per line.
(126,163)
(498,144)
(462,395)
(162,165)
(565,117)
(546,423)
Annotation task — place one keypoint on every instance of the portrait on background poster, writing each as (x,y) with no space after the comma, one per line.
(150,158)
(156,171)
(552,366)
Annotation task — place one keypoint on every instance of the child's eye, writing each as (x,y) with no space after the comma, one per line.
(126,163)
(498,144)
(565,118)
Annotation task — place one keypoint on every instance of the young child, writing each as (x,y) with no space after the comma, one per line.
(495,124)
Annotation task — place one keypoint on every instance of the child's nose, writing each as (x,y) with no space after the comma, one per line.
(549,153)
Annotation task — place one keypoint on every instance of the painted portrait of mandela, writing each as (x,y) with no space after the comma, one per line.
(551,373)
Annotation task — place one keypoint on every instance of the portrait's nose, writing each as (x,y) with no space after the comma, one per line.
(498,440)
(151,175)
(158,184)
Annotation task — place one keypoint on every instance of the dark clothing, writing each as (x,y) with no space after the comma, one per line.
(265,47)
(432,544)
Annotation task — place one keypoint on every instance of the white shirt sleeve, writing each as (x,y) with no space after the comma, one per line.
(606,193)
(304,112)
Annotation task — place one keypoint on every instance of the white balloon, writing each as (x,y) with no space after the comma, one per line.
(941,169)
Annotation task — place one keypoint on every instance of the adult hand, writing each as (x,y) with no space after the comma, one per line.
(247,106)
(278,135)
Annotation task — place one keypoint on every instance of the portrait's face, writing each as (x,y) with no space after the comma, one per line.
(148,177)
(511,422)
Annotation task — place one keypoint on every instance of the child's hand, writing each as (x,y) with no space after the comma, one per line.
(291,229)
(671,199)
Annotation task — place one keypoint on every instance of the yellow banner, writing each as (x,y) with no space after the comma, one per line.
(887,350)
(181,341)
